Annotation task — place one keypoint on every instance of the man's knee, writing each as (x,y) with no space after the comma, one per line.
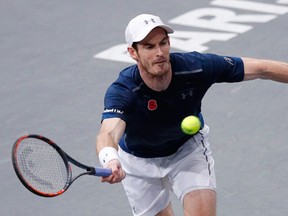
(168,211)
(200,202)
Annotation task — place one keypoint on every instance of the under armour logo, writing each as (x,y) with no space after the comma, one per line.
(187,94)
(147,21)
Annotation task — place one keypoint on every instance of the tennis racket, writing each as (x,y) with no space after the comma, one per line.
(44,168)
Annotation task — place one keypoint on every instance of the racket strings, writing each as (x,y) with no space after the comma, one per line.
(42,166)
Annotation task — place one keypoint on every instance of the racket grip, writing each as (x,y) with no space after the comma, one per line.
(104,172)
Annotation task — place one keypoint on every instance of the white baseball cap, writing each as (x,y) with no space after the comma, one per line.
(140,26)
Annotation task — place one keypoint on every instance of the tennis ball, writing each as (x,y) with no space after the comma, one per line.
(191,125)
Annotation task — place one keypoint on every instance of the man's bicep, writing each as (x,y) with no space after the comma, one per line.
(253,69)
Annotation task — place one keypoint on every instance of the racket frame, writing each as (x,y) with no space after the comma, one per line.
(66,159)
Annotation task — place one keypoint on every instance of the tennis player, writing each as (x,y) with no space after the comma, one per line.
(140,138)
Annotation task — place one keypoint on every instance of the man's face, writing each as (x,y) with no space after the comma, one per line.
(152,54)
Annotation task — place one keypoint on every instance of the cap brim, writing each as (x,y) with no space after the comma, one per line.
(146,31)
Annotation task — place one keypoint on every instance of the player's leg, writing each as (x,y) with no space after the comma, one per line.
(168,211)
(147,196)
(200,203)
(145,188)
(193,176)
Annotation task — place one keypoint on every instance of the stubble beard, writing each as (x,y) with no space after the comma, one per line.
(157,77)
(156,70)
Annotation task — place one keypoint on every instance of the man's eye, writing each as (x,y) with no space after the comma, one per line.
(164,42)
(149,47)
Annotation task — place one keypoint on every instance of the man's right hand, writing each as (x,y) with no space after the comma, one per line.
(118,174)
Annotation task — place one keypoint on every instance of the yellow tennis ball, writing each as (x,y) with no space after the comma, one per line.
(191,125)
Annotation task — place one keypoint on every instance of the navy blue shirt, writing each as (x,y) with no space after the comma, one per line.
(153,118)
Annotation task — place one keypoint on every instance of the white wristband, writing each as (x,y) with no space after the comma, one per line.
(107,154)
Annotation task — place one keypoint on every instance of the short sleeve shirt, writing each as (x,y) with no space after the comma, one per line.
(153,118)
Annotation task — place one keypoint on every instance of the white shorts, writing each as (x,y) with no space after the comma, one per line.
(149,181)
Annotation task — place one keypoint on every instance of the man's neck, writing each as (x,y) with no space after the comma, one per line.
(157,83)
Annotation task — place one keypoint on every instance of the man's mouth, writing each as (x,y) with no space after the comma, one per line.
(161,61)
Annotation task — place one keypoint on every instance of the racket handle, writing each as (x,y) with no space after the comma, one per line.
(104,172)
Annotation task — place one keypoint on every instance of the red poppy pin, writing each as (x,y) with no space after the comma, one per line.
(152,105)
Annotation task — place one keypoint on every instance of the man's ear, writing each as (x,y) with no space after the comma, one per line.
(133,53)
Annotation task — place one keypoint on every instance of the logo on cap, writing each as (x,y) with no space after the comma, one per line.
(147,21)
